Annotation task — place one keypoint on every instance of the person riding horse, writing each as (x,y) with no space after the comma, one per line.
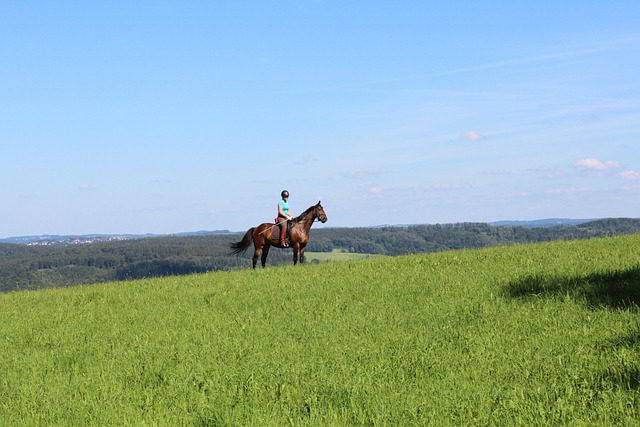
(284,218)
(263,236)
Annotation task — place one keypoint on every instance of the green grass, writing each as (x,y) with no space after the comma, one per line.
(525,335)
(336,255)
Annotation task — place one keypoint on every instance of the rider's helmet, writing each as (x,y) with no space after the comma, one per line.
(284,193)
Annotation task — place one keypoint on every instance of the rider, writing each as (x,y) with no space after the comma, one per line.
(284,216)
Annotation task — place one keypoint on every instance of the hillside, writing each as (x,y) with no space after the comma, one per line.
(35,267)
(539,334)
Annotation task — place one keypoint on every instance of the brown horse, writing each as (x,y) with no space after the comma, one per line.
(265,235)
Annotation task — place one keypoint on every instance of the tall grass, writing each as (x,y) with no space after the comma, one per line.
(544,334)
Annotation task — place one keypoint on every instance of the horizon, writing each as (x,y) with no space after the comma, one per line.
(504,223)
(150,117)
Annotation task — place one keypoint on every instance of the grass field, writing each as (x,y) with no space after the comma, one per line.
(538,335)
(336,255)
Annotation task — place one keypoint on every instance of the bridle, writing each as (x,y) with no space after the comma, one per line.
(317,217)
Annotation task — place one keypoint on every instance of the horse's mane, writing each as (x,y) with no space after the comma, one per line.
(304,214)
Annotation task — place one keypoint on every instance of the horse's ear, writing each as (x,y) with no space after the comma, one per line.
(318,202)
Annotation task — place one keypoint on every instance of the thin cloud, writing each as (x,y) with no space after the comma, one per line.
(630,175)
(597,164)
(86,187)
(570,190)
(567,54)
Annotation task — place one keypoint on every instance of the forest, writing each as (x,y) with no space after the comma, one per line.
(35,267)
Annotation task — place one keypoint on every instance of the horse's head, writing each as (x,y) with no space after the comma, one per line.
(318,212)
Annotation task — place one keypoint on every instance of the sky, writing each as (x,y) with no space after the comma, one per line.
(162,117)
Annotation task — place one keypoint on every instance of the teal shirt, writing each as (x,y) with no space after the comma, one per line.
(285,207)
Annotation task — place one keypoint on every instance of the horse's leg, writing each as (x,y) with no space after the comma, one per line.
(256,254)
(296,249)
(265,252)
(302,249)
(258,248)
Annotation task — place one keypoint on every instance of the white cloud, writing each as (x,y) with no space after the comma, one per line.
(569,190)
(597,164)
(86,187)
(630,175)
(472,135)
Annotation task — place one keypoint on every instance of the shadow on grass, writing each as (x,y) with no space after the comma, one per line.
(618,289)
(625,372)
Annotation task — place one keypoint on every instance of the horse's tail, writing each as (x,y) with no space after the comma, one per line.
(242,246)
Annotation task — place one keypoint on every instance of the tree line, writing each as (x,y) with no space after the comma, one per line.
(440,237)
(35,267)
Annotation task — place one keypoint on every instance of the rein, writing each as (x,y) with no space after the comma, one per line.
(297,220)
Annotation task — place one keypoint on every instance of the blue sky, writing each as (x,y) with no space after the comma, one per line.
(162,117)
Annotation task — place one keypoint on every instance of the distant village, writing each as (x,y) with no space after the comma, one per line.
(77,240)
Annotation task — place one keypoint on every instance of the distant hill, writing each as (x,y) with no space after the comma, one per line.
(49,240)
(549,222)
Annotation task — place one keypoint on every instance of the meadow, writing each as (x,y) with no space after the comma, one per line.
(336,255)
(523,335)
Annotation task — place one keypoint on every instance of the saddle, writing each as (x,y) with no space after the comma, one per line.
(275,231)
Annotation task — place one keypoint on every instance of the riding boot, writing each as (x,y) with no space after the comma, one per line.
(283,236)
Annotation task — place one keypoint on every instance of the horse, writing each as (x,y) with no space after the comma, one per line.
(263,236)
